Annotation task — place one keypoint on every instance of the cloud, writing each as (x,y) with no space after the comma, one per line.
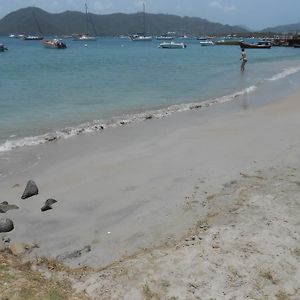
(218,5)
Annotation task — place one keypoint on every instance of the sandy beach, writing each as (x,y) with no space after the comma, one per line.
(201,205)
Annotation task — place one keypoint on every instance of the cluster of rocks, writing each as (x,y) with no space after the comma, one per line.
(6,224)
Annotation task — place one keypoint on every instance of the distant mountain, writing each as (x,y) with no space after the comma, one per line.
(291,28)
(26,21)
(246,28)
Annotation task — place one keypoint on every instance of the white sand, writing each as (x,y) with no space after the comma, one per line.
(141,185)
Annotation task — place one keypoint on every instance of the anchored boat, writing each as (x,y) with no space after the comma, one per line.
(172,45)
(259,45)
(85,37)
(54,44)
(2,48)
(142,37)
(207,43)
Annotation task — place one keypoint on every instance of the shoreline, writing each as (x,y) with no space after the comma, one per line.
(12,143)
(131,188)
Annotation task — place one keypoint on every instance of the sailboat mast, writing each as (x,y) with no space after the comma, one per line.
(86,18)
(144,18)
(37,24)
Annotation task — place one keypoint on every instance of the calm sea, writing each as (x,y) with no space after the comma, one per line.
(57,93)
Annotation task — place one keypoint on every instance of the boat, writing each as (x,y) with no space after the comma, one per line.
(259,45)
(142,37)
(54,44)
(172,45)
(32,37)
(296,45)
(164,38)
(184,37)
(2,48)
(85,37)
(207,43)
(229,42)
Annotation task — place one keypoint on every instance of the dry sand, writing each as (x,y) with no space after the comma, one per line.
(234,175)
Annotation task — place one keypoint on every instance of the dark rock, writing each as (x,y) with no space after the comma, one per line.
(6,225)
(51,138)
(48,204)
(30,190)
(149,117)
(4,207)
(74,254)
(6,240)
(196,106)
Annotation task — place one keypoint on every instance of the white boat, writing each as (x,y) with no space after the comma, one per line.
(85,37)
(207,43)
(172,45)
(140,38)
(54,44)
(164,38)
(37,37)
(32,37)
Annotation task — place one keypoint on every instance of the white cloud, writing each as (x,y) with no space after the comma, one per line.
(218,5)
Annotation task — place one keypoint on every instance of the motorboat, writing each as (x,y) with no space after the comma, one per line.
(296,45)
(140,38)
(84,37)
(228,42)
(164,38)
(2,48)
(32,37)
(259,45)
(54,44)
(207,43)
(172,45)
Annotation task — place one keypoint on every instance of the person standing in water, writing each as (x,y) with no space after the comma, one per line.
(243,59)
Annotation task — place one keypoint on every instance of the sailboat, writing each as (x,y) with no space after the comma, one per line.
(165,36)
(85,37)
(34,37)
(142,37)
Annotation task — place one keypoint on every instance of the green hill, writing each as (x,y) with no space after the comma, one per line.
(291,28)
(26,21)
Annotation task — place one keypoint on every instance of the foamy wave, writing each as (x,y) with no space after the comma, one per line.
(285,73)
(98,125)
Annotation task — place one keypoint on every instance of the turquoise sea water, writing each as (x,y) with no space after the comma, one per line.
(45,91)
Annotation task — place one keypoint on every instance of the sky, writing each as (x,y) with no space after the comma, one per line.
(256,14)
